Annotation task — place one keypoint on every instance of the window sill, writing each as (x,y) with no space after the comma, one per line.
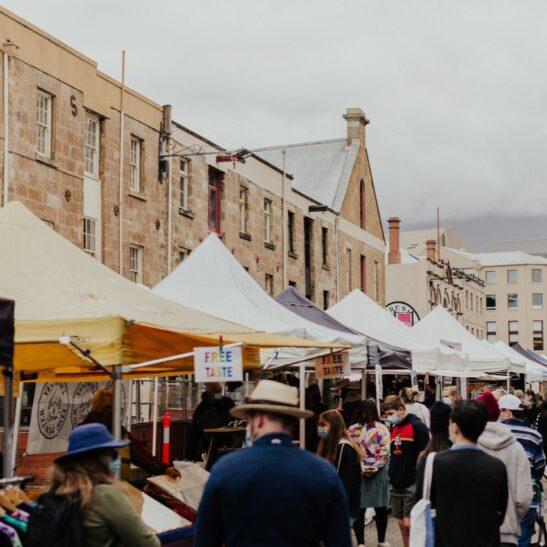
(186,213)
(269,245)
(137,195)
(45,160)
(245,236)
(293,255)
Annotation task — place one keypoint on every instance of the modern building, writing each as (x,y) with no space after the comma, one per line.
(536,247)
(414,241)
(111,171)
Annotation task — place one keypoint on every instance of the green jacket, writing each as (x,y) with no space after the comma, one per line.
(111,521)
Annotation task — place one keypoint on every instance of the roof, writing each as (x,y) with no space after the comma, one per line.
(510,258)
(530,246)
(414,241)
(406,257)
(321,170)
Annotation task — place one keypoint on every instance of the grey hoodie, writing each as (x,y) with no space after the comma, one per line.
(498,441)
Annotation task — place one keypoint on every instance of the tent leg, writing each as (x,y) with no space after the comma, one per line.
(8,398)
(155,418)
(439,388)
(302,378)
(130,406)
(17,421)
(117,414)
(508,380)
(363,384)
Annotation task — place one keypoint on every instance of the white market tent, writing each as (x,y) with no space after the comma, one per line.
(440,327)
(534,371)
(362,314)
(212,281)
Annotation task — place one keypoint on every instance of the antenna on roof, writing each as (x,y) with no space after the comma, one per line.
(438,236)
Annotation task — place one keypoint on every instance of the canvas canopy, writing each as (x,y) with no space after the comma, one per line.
(440,327)
(534,372)
(211,280)
(61,291)
(361,313)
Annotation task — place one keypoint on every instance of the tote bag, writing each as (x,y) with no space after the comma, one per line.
(422,516)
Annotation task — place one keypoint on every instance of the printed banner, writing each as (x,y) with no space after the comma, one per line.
(333,365)
(379,385)
(58,408)
(214,364)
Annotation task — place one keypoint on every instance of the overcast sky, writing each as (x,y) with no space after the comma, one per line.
(456,91)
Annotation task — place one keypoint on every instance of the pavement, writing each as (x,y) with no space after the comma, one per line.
(393,536)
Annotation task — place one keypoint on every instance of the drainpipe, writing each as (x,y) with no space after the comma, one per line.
(166,146)
(120,195)
(336,236)
(7,46)
(284,223)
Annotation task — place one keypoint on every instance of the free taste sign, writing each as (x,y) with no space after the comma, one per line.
(215,364)
(333,365)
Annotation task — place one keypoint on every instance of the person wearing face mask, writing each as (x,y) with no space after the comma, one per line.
(450,395)
(272,493)
(469,488)
(409,436)
(86,477)
(337,446)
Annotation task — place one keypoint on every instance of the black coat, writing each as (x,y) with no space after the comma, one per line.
(349,471)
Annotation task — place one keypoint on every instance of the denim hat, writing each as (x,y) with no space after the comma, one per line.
(88,437)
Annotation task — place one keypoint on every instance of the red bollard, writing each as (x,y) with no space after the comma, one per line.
(165,451)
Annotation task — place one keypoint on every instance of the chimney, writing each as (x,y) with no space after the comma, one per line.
(356,124)
(394,255)
(431,252)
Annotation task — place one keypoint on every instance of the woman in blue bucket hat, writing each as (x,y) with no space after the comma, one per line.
(84,490)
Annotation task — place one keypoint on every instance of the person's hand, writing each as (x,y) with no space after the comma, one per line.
(173,472)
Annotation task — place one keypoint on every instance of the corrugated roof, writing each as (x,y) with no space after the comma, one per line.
(514,258)
(530,246)
(321,170)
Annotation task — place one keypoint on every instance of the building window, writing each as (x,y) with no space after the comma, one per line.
(537,301)
(376,280)
(184,185)
(243,209)
(466,300)
(292,284)
(267,220)
(513,301)
(363,273)
(491,331)
(348,270)
(537,327)
(90,236)
(269,284)
(325,300)
(44,102)
(537,275)
(325,246)
(471,302)
(490,277)
(135,263)
(215,184)
(512,276)
(135,165)
(513,332)
(290,231)
(362,204)
(183,254)
(91,146)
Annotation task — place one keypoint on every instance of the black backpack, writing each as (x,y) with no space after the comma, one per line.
(56,522)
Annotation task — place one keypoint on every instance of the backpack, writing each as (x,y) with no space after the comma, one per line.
(422,516)
(56,522)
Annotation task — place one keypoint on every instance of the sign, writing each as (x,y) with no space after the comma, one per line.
(379,385)
(333,365)
(216,364)
(403,312)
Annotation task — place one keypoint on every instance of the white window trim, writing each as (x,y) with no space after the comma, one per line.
(537,306)
(184,186)
(135,176)
(267,220)
(96,120)
(90,236)
(243,208)
(135,269)
(49,102)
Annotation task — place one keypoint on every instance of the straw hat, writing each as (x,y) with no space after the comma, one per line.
(270,396)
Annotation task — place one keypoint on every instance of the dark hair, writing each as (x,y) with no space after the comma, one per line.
(470,417)
(395,403)
(366,412)
(437,443)
(329,447)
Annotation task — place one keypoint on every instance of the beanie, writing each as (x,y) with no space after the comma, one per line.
(491,405)
(440,412)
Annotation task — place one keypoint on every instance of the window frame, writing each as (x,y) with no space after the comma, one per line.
(135,164)
(513,335)
(491,333)
(267,220)
(538,341)
(290,233)
(243,209)
(492,275)
(136,274)
(90,236)
(269,284)
(362,205)
(214,195)
(325,247)
(509,307)
(184,184)
(540,280)
(537,306)
(516,273)
(95,148)
(348,269)
(47,125)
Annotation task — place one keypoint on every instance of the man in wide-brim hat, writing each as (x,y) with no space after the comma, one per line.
(272,493)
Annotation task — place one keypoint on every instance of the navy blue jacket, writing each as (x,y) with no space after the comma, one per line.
(273,494)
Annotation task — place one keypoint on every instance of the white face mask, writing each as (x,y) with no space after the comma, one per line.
(447,400)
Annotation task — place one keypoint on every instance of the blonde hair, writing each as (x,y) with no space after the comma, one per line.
(328,448)
(409,395)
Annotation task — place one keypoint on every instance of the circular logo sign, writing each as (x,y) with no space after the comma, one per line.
(81,401)
(52,409)
(404,312)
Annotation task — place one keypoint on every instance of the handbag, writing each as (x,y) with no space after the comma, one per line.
(422,516)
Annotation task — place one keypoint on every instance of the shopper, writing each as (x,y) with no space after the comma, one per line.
(272,493)
(338,448)
(85,477)
(373,438)
(439,441)
(410,396)
(451,395)
(498,441)
(511,414)
(541,422)
(409,436)
(315,404)
(469,487)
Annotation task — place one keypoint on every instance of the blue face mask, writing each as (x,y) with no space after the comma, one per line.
(323,432)
(115,466)
(394,419)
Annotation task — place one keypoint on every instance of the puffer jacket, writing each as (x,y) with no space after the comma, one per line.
(498,441)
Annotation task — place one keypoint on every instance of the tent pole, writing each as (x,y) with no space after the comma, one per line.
(17,421)
(8,397)
(508,380)
(138,386)
(155,417)
(117,414)
(363,384)
(130,406)
(302,378)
